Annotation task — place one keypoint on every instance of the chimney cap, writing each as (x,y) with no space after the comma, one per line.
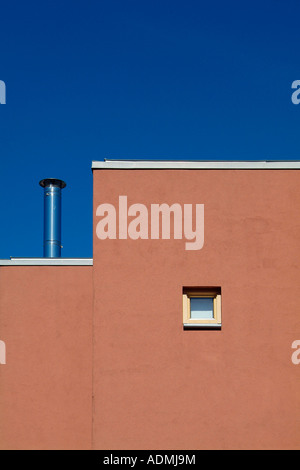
(52,182)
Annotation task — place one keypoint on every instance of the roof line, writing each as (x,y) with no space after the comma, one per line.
(196,165)
(47,262)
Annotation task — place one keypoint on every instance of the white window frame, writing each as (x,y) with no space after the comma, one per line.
(198,293)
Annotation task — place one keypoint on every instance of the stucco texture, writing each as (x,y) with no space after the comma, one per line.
(46,383)
(158,386)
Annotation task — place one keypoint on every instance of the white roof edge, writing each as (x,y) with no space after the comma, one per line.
(195,165)
(47,262)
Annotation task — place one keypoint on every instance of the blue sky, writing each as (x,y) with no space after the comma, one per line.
(135,79)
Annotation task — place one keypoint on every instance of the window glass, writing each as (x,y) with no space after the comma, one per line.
(202,308)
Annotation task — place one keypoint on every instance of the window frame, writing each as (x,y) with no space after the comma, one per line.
(215,294)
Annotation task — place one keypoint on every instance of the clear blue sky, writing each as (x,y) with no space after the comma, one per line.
(136,79)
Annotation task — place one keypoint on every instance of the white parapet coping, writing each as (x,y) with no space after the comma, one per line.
(195,165)
(47,262)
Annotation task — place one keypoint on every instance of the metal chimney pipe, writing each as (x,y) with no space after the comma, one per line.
(52,216)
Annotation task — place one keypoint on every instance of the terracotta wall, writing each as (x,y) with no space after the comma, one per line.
(157,386)
(46,384)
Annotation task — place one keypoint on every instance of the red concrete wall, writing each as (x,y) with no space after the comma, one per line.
(46,384)
(157,386)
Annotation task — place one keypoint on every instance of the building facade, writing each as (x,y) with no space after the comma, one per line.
(116,353)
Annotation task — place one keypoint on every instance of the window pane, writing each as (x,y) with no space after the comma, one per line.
(202,309)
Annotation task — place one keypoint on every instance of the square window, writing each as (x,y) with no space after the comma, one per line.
(202,307)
